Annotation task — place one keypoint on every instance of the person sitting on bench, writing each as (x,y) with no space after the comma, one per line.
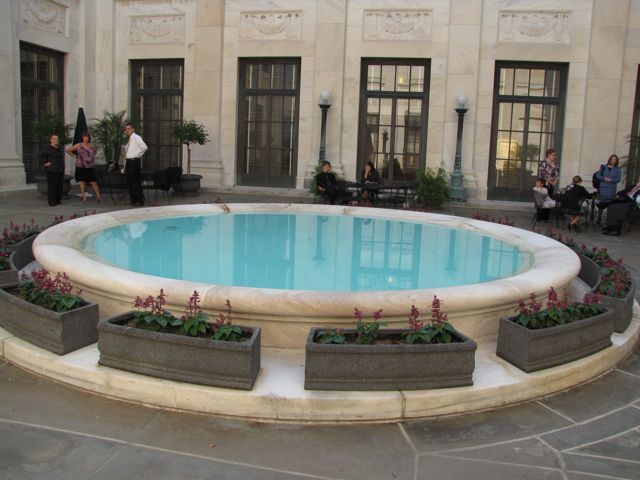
(619,208)
(327,183)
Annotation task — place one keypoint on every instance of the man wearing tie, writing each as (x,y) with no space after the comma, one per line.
(618,209)
(132,165)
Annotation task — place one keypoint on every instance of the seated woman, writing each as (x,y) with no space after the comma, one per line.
(619,208)
(571,199)
(547,201)
(369,176)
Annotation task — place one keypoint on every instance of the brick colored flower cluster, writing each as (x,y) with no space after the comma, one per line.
(55,293)
(15,233)
(558,312)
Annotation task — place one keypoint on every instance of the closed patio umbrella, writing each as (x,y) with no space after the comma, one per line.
(81,126)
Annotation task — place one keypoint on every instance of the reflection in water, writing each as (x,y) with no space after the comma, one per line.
(307,252)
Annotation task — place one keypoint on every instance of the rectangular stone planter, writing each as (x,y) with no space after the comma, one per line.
(57,332)
(623,308)
(8,277)
(177,357)
(589,271)
(387,366)
(22,253)
(532,350)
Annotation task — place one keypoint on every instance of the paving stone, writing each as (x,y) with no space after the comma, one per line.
(490,427)
(523,452)
(632,363)
(586,476)
(624,447)
(433,467)
(612,391)
(33,399)
(599,429)
(143,464)
(345,451)
(601,466)
(33,453)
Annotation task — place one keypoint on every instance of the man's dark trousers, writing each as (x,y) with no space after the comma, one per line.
(134,180)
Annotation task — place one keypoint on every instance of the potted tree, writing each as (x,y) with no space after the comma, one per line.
(188,133)
(433,189)
(536,339)
(152,341)
(47,124)
(108,134)
(370,358)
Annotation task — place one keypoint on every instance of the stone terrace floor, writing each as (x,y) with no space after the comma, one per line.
(49,431)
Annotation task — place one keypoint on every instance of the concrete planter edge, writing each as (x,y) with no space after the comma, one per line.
(176,357)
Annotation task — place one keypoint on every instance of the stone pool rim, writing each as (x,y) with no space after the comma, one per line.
(59,248)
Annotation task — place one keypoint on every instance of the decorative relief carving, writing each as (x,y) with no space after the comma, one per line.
(45,14)
(534,27)
(271,25)
(397,25)
(157,29)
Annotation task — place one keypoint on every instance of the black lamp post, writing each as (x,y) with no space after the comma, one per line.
(325,106)
(458,191)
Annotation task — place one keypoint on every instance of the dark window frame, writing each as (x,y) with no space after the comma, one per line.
(155,163)
(633,161)
(524,193)
(248,179)
(29,145)
(365,94)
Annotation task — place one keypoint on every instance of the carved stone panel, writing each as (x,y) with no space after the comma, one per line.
(271,25)
(157,29)
(45,14)
(397,25)
(534,27)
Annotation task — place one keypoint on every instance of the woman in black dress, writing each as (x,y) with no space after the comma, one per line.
(369,176)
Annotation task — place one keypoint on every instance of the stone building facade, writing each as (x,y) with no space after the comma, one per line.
(536,73)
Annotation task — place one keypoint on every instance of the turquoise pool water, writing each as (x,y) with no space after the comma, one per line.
(307,252)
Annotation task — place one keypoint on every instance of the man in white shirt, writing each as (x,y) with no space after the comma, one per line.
(132,165)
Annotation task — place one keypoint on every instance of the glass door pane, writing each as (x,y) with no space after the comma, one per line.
(268,123)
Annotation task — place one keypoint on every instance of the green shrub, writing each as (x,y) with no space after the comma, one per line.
(433,188)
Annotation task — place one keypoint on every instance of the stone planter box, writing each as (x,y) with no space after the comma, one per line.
(22,253)
(188,185)
(177,357)
(43,188)
(589,271)
(532,350)
(8,277)
(57,332)
(387,366)
(623,308)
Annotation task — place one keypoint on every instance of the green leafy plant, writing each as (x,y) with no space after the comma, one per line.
(367,332)
(558,312)
(331,336)
(433,188)
(224,330)
(194,321)
(108,134)
(54,293)
(188,133)
(438,330)
(49,123)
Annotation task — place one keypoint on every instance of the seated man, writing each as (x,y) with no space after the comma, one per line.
(618,209)
(327,183)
